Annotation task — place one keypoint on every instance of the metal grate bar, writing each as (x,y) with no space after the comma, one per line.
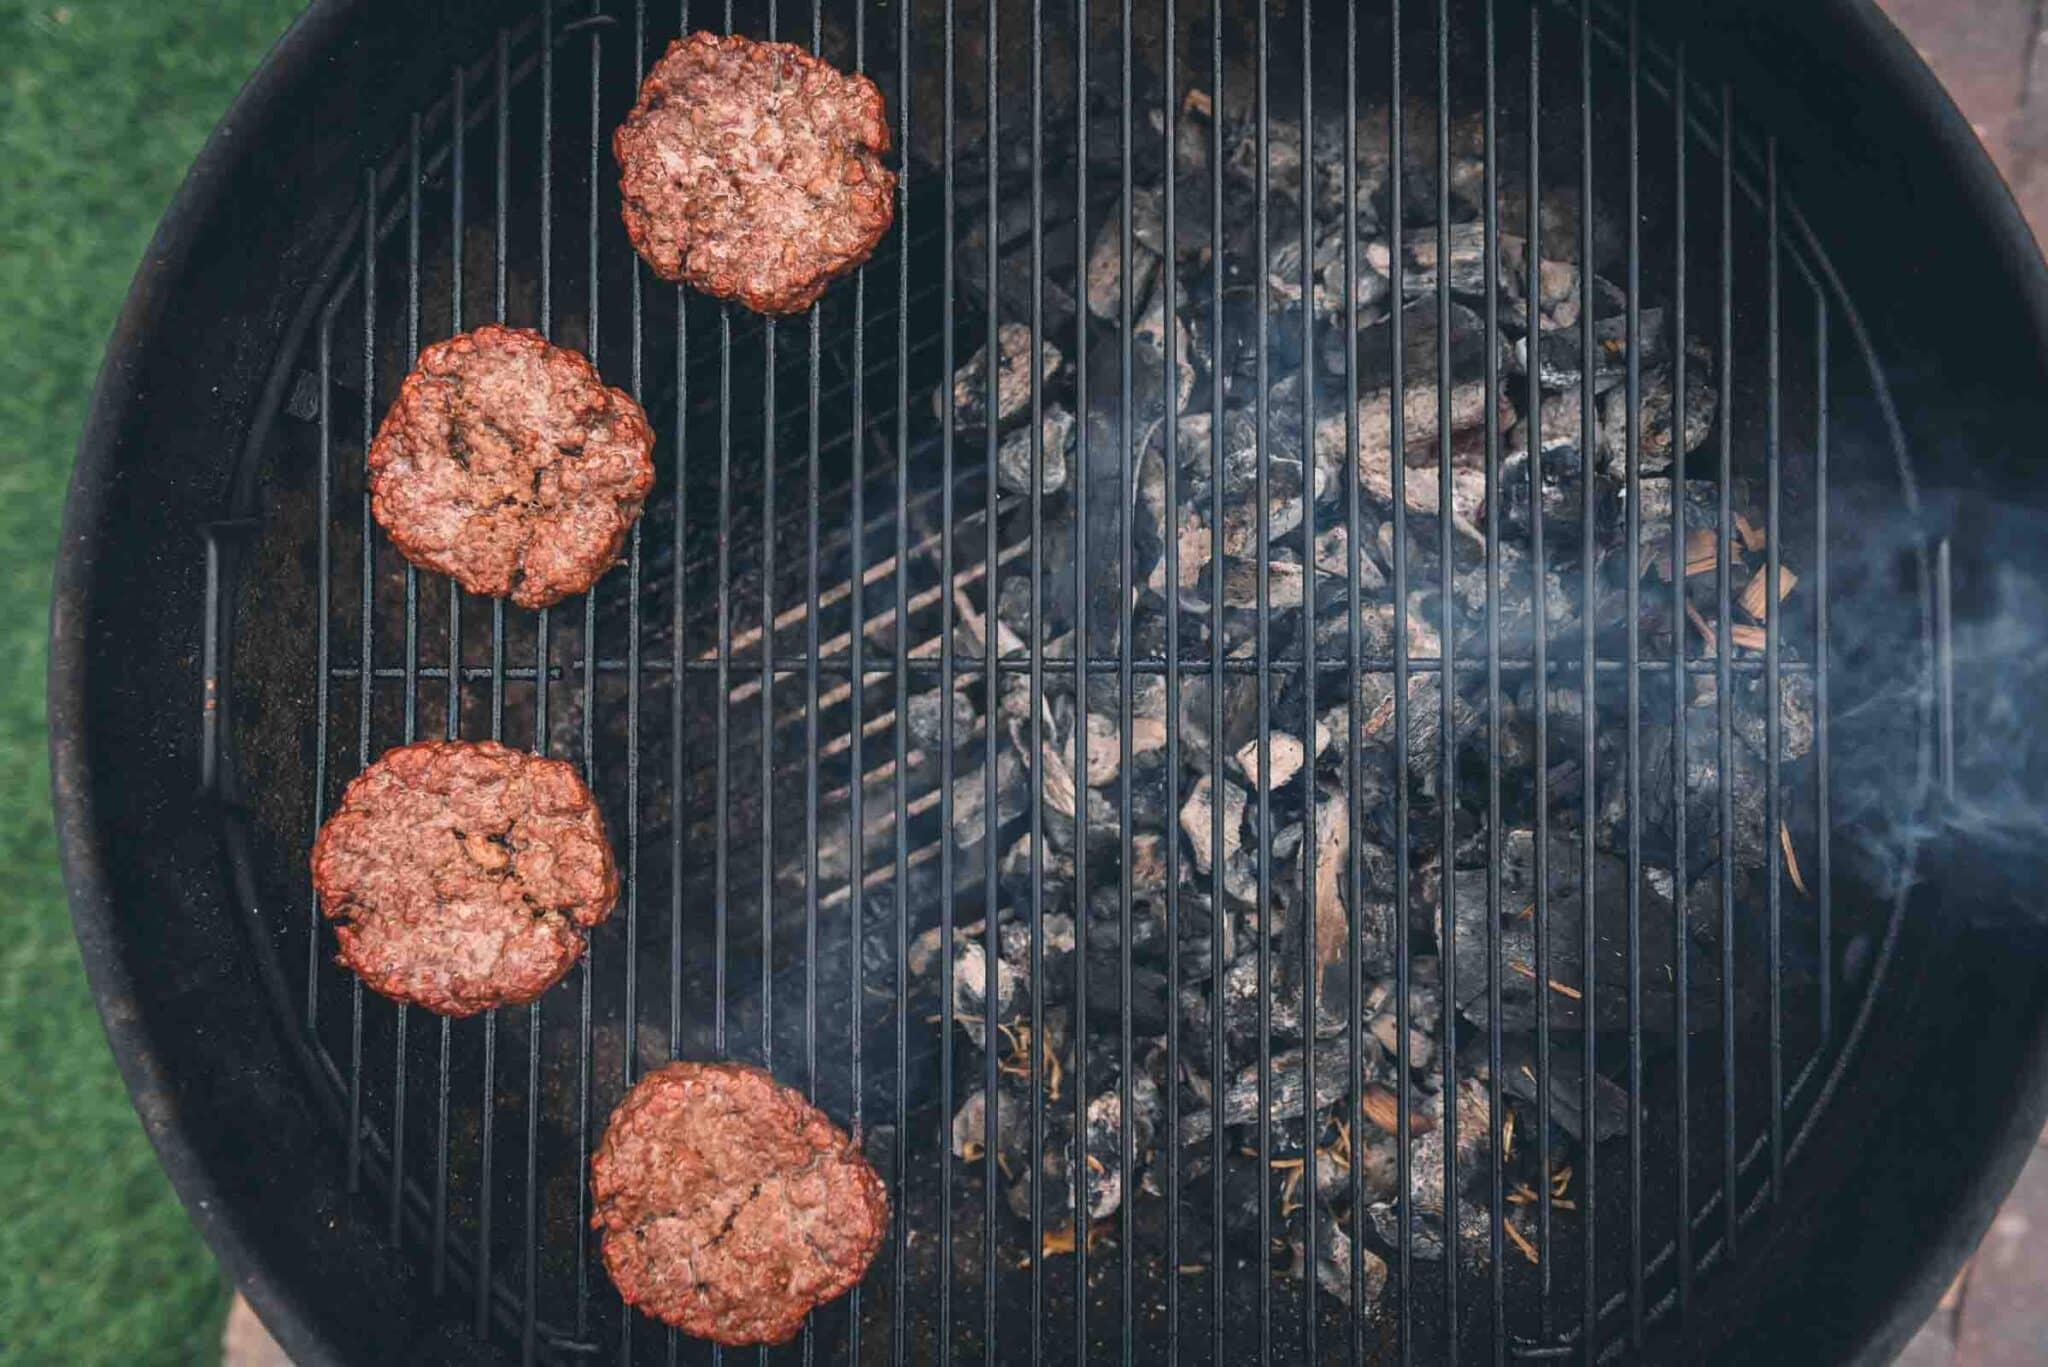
(486,1191)
(1540,645)
(1037,682)
(1354,779)
(1588,597)
(679,734)
(364,686)
(1681,956)
(458,121)
(1311,967)
(1265,738)
(394,1220)
(857,941)
(529,1307)
(1724,704)
(1397,420)
(1824,869)
(946,688)
(1632,442)
(1169,375)
(723,803)
(587,970)
(1078,1169)
(1126,589)
(1219,1052)
(630,1064)
(897,1311)
(1447,731)
(1773,722)
(927,662)
(990,632)
(1496,1206)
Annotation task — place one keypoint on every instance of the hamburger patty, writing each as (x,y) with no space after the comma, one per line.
(462,875)
(752,171)
(508,464)
(730,1205)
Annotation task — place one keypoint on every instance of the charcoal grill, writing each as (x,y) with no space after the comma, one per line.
(1859,1058)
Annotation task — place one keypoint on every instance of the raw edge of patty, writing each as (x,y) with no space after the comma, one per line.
(730,1206)
(706,208)
(508,464)
(462,875)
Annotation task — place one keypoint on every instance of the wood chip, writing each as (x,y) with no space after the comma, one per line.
(1702,553)
(1333,848)
(1742,634)
(1564,989)
(1752,535)
(1753,593)
(1520,1240)
(1379,1104)
(1791,859)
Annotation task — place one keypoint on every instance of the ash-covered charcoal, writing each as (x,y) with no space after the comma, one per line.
(1245,589)
(1564,994)
(1016,283)
(1148,357)
(1013,1128)
(1563,430)
(1559,359)
(1105,282)
(1425,719)
(1795,713)
(1418,359)
(925,712)
(1368,268)
(1557,285)
(1335,1251)
(1427,1173)
(1520,1073)
(1104,1140)
(1284,1093)
(1197,819)
(970,983)
(1422,416)
(1653,450)
(1425,1225)
(969,390)
(1242,462)
(1013,458)
(1467,272)
(1282,996)
(1013,798)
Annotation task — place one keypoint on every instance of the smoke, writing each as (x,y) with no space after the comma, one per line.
(1891,802)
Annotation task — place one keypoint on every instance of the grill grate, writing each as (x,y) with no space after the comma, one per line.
(782,646)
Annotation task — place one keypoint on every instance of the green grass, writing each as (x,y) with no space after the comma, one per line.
(102,105)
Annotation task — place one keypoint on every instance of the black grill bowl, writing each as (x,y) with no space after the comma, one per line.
(207,699)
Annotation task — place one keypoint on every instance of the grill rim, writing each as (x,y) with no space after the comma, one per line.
(259,118)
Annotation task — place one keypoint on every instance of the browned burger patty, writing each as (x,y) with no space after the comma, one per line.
(462,875)
(753,171)
(508,464)
(730,1205)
